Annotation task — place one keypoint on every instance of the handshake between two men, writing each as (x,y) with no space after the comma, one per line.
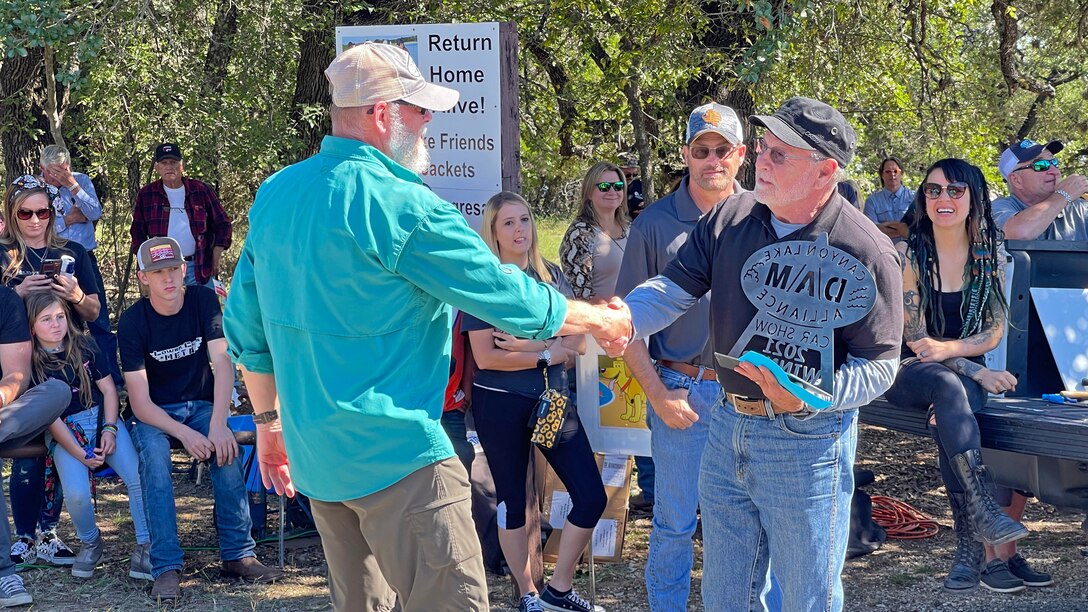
(609,323)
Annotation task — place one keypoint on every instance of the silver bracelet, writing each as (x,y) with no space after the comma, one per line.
(3,399)
(1063,193)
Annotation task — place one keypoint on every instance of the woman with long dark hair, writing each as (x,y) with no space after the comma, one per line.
(954,312)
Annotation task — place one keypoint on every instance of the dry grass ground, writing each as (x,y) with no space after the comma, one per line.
(904,575)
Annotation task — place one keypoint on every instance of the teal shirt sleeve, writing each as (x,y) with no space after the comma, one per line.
(446,259)
(242,322)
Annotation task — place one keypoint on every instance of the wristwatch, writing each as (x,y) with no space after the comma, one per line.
(544,358)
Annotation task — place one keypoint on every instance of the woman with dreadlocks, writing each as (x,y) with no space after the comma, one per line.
(954,312)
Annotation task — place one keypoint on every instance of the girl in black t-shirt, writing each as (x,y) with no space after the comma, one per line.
(88,433)
(511,374)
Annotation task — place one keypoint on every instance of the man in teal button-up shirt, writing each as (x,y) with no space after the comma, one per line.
(339,313)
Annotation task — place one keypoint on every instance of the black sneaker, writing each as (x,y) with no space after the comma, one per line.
(571,602)
(23,551)
(530,602)
(52,549)
(1019,567)
(997,578)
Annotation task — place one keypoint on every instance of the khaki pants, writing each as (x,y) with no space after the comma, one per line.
(412,544)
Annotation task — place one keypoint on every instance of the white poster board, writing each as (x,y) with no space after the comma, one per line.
(464,142)
(611,404)
(1064,316)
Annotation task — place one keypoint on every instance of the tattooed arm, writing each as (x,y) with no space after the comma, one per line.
(914,325)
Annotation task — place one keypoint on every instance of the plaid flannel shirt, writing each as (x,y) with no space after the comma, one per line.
(207,220)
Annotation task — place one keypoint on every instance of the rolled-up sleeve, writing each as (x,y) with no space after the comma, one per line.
(446,259)
(243,325)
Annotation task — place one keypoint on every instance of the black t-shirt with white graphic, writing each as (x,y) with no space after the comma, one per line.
(70,377)
(173,349)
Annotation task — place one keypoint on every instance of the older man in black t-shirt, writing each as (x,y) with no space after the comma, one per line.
(167,341)
(24,415)
(796,276)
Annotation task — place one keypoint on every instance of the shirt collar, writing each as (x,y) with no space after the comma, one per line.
(823,223)
(357,149)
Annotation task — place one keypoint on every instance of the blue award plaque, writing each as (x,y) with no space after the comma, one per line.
(803,291)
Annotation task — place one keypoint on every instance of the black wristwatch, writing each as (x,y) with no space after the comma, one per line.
(544,358)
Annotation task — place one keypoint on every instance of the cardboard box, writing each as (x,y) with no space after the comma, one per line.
(607,542)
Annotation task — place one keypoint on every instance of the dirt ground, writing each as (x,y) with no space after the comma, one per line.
(904,575)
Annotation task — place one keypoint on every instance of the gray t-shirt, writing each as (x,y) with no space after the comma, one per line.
(1071,223)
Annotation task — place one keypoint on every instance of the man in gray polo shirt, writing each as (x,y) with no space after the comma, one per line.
(684,388)
(777,475)
(1041,204)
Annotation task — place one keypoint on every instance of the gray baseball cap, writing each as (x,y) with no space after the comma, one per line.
(716,118)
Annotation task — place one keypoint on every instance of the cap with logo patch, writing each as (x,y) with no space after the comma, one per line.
(158,253)
(714,118)
(1023,151)
(167,150)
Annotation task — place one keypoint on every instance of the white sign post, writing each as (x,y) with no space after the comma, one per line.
(474,147)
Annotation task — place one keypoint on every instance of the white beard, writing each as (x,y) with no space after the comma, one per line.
(405,148)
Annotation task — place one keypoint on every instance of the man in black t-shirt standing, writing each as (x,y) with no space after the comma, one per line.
(24,415)
(167,341)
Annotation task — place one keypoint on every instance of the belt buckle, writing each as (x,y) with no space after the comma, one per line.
(752,407)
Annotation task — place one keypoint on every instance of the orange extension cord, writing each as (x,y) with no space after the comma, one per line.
(902,521)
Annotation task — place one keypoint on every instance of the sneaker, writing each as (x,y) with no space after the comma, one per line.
(139,566)
(53,550)
(997,578)
(167,587)
(1019,567)
(23,551)
(530,602)
(571,601)
(90,553)
(12,591)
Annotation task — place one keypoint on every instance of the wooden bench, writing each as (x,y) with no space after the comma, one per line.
(1030,445)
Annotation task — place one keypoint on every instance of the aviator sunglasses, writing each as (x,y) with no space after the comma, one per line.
(779,157)
(41,213)
(1039,165)
(954,190)
(720,152)
(605,186)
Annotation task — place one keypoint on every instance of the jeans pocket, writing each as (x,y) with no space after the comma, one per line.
(445,532)
(820,427)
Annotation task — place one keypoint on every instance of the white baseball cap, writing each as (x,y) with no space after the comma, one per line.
(371,72)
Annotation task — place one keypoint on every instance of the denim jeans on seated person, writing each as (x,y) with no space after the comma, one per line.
(775,497)
(677,455)
(231,504)
(73,474)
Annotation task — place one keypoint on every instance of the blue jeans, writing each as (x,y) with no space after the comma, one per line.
(677,456)
(74,476)
(190,276)
(775,497)
(29,510)
(228,483)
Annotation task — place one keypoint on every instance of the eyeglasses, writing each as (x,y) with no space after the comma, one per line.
(1039,165)
(422,111)
(41,213)
(605,186)
(720,152)
(779,157)
(954,190)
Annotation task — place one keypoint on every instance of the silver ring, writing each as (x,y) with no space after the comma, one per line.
(922,354)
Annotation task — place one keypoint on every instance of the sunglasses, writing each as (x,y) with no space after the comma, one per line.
(720,152)
(41,213)
(604,187)
(422,111)
(1039,165)
(779,157)
(954,190)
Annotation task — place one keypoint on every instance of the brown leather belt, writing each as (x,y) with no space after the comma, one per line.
(689,370)
(751,406)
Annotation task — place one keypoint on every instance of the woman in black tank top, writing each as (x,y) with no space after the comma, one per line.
(954,312)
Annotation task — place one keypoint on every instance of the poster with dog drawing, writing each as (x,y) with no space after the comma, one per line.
(611,404)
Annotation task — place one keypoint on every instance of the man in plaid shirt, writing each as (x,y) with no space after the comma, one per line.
(185,209)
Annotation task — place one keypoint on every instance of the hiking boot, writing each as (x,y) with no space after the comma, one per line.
(23,551)
(1019,567)
(639,503)
(997,578)
(990,522)
(167,587)
(90,553)
(139,566)
(51,549)
(250,570)
(967,562)
(569,602)
(530,602)
(12,591)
